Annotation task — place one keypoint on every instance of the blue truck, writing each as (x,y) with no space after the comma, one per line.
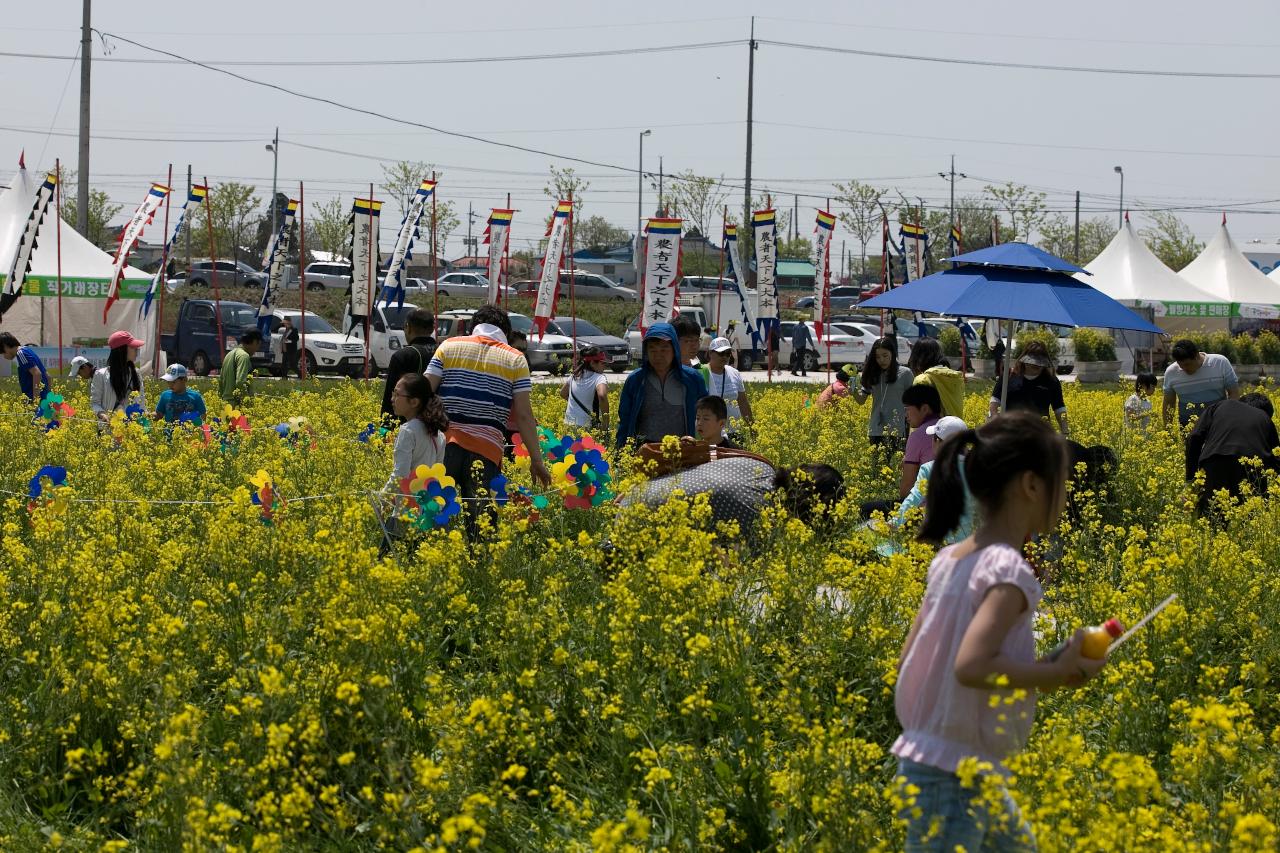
(195,341)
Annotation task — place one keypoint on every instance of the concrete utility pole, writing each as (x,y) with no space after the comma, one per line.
(751,87)
(639,204)
(82,175)
(1120,216)
(662,205)
(1076,258)
(951,176)
(274,148)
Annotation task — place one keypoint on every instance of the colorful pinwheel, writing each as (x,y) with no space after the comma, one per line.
(431,497)
(53,408)
(57,477)
(265,495)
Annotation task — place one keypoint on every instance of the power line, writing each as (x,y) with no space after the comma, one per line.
(1025,66)
(353,63)
(120,138)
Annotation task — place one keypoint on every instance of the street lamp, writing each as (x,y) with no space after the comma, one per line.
(1120,172)
(640,201)
(274,147)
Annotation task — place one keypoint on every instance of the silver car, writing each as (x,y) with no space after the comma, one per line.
(229,274)
(589,285)
(617,356)
(327,275)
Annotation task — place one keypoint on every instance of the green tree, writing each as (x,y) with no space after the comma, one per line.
(401,181)
(1024,207)
(101,210)
(1171,240)
(563,182)
(329,227)
(598,234)
(698,200)
(1058,237)
(862,214)
(234,212)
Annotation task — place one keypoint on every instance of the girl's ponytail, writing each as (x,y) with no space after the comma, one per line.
(944,502)
(996,453)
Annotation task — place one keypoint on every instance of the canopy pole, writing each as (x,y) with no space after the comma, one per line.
(368,311)
(164,281)
(1008,368)
(58,215)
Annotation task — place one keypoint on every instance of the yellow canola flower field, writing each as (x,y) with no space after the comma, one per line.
(188,676)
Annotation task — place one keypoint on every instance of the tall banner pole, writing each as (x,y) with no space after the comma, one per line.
(57,201)
(573,291)
(373,242)
(435,273)
(302,285)
(213,271)
(164,274)
(724,220)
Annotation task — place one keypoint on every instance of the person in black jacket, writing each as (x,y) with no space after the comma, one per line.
(412,358)
(1228,432)
(289,346)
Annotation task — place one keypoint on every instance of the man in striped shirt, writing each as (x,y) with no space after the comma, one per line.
(1195,380)
(483,382)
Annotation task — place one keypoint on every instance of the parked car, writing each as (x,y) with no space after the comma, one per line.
(328,350)
(386,331)
(872,333)
(461,284)
(634,338)
(552,352)
(616,355)
(586,285)
(195,342)
(327,275)
(229,274)
(836,348)
(691,283)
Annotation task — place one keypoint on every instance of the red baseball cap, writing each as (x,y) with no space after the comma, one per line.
(123,339)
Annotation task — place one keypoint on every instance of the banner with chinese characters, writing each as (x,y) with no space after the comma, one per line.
(393,283)
(746,308)
(544,307)
(129,238)
(273,263)
(764,225)
(16,275)
(661,271)
(496,235)
(197,195)
(365,258)
(914,243)
(823,231)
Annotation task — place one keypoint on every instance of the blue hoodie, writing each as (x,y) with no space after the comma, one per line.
(633,389)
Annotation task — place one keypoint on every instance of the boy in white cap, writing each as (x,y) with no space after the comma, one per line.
(179,400)
(81,368)
(943,429)
(724,381)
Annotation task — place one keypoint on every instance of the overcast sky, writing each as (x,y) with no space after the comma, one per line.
(820,117)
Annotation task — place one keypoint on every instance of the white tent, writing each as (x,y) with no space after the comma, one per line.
(85,276)
(1130,273)
(1223,271)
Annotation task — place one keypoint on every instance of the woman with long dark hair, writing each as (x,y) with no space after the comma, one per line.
(118,385)
(931,367)
(884,380)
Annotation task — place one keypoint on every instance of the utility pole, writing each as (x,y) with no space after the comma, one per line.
(951,176)
(187,227)
(82,175)
(1076,257)
(469,215)
(274,148)
(751,90)
(795,217)
(662,205)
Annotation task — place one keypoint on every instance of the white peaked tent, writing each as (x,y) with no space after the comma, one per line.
(85,276)
(1223,271)
(1130,273)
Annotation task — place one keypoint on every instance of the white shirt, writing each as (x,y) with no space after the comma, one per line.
(727,385)
(584,389)
(102,397)
(414,446)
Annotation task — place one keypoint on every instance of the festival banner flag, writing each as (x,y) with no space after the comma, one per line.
(544,307)
(273,263)
(129,239)
(661,271)
(197,196)
(393,282)
(17,272)
(823,231)
(764,225)
(365,258)
(914,243)
(745,306)
(497,235)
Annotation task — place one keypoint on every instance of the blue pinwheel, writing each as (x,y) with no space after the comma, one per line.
(56,474)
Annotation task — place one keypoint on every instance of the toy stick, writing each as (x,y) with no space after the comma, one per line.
(1144,620)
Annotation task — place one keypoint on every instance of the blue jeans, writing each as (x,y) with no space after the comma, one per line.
(946,816)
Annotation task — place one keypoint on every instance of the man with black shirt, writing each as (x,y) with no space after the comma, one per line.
(412,358)
(289,347)
(1227,433)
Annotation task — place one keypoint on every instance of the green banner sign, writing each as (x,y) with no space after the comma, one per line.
(83,288)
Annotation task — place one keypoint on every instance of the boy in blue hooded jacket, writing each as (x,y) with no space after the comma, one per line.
(660,397)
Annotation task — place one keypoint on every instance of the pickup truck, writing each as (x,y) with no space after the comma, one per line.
(386,331)
(195,343)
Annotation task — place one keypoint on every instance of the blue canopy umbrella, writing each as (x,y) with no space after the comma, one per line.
(1012,281)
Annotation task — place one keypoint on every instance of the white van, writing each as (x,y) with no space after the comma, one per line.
(386,331)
